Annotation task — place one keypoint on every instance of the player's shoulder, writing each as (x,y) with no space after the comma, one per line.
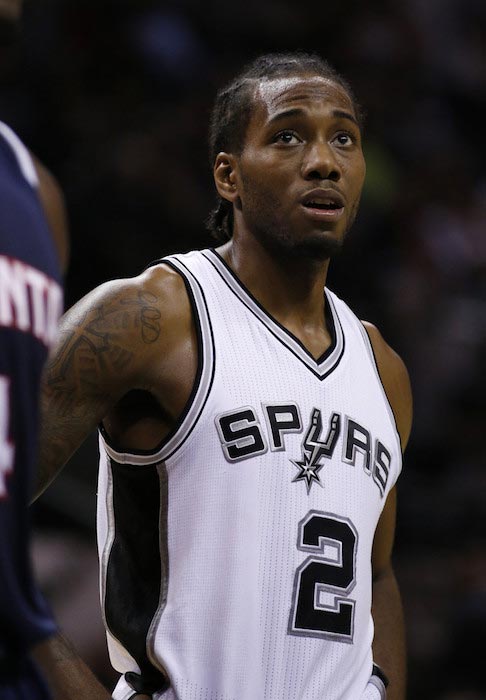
(384,353)
(166,288)
(52,200)
(158,284)
(135,307)
(161,278)
(395,379)
(47,188)
(129,325)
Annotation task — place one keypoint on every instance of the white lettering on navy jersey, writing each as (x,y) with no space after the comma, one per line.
(30,301)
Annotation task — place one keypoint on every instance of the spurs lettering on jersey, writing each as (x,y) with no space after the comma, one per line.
(242,436)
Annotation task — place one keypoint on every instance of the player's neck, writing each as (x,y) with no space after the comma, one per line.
(289,290)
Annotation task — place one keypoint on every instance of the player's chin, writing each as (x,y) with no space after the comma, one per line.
(320,245)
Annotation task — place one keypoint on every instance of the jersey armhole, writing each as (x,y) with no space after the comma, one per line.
(369,346)
(202,382)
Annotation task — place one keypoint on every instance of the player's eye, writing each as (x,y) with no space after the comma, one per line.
(286,137)
(344,138)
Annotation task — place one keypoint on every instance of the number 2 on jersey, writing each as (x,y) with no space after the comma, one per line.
(330,572)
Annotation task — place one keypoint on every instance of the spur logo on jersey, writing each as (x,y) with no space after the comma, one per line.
(313,450)
(243,436)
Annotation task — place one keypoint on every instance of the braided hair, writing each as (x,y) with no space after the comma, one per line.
(233,107)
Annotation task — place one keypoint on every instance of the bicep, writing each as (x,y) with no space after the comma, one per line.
(95,361)
(106,349)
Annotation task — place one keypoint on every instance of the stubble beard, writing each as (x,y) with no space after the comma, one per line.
(262,220)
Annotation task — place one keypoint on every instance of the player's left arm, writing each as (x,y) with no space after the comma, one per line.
(389,648)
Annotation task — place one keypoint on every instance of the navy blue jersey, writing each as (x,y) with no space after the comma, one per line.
(30,305)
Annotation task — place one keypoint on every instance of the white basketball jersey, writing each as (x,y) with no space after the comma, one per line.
(236,558)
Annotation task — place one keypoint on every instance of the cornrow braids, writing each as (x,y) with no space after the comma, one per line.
(233,107)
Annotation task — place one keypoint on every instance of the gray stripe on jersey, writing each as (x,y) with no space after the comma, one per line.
(164,560)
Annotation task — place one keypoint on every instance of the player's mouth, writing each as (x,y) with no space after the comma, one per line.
(323,204)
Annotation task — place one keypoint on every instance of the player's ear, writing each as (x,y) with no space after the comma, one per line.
(225,176)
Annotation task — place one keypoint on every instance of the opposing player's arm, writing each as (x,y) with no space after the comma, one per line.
(52,200)
(389,647)
(109,344)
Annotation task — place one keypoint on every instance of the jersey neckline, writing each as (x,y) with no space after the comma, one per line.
(320,367)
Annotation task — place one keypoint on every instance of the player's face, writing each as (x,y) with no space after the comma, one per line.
(302,168)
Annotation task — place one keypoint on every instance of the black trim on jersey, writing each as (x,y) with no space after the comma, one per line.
(134,566)
(330,323)
(382,385)
(200,355)
(197,380)
(329,318)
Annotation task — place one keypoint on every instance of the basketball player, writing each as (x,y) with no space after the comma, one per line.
(252,426)
(33,252)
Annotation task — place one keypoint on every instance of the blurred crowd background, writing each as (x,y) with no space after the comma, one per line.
(114,97)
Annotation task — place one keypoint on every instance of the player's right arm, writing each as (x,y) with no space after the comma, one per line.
(126,335)
(389,644)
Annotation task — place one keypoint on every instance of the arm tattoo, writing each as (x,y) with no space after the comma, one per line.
(101,345)
(149,316)
(94,352)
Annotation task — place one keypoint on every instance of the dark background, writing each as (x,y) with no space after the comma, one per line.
(114,97)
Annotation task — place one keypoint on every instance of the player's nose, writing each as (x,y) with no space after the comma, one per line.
(319,162)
